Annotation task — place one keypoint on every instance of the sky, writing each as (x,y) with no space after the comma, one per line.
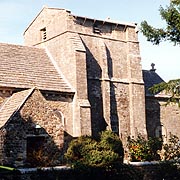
(16,15)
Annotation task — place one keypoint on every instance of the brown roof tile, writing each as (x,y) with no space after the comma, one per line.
(27,67)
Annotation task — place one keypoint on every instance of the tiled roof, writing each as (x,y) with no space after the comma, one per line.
(12,104)
(150,79)
(27,67)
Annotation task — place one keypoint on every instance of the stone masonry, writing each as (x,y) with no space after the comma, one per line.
(101,61)
(22,125)
(75,76)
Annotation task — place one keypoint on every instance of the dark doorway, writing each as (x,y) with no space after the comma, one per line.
(34,149)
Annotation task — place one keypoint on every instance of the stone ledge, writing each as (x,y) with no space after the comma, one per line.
(30,170)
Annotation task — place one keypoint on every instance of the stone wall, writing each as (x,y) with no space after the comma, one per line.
(115,87)
(152,116)
(61,104)
(101,61)
(23,125)
(137,171)
(54,21)
(161,119)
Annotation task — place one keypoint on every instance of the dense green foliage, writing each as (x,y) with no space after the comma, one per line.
(86,151)
(171,15)
(171,33)
(171,149)
(142,149)
(172,88)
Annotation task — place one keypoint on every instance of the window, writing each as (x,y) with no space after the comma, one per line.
(60,115)
(96,29)
(43,34)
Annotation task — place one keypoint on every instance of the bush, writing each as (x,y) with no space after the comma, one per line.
(110,141)
(142,149)
(86,151)
(171,150)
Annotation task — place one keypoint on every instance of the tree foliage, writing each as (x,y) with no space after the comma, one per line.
(171,33)
(171,15)
(172,88)
(86,151)
(171,150)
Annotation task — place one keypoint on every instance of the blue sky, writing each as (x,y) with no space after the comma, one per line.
(15,16)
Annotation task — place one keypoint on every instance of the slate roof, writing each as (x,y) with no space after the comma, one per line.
(150,78)
(12,105)
(27,67)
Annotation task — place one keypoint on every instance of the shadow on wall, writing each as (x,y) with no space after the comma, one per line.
(94,73)
(27,144)
(153,123)
(94,76)
(114,119)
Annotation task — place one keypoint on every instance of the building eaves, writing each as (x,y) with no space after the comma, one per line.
(110,21)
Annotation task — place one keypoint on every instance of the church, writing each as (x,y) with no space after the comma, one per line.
(75,76)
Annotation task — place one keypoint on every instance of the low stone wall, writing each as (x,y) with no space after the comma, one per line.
(158,170)
(132,171)
(49,173)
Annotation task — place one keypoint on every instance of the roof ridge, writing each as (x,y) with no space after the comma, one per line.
(7,100)
(21,45)
(29,93)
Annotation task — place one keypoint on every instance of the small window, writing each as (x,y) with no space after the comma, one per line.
(43,34)
(60,115)
(96,29)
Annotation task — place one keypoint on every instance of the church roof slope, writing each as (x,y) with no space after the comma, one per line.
(12,104)
(27,67)
(150,78)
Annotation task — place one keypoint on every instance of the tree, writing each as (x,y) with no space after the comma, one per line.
(171,33)
(171,14)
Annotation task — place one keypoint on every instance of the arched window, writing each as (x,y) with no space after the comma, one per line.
(60,115)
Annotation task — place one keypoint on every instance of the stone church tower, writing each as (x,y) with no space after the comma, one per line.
(101,61)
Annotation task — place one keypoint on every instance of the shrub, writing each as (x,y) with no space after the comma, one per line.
(110,141)
(86,151)
(171,150)
(142,149)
